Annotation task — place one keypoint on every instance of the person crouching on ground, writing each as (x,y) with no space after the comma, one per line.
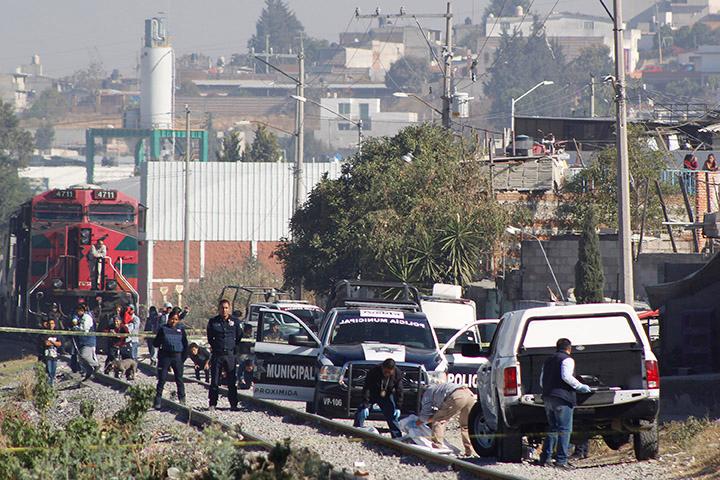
(558,393)
(383,387)
(171,342)
(201,361)
(441,402)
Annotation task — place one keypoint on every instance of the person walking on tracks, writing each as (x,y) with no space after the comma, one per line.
(223,334)
(382,387)
(441,402)
(172,344)
(558,393)
(86,344)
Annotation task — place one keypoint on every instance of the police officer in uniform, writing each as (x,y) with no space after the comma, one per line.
(172,344)
(223,334)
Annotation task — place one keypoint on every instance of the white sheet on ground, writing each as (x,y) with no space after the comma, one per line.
(421,435)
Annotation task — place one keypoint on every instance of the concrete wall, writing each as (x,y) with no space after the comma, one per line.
(690,395)
(562,252)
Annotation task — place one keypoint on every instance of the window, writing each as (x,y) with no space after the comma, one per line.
(278,328)
(589,25)
(58,212)
(364,111)
(504,26)
(112,213)
(409,329)
(344,126)
(544,332)
(344,108)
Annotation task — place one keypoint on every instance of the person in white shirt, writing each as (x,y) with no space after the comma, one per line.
(559,387)
(95,255)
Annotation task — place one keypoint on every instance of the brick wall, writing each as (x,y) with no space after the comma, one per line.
(706,199)
(168,261)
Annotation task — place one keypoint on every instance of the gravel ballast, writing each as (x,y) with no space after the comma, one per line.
(384,463)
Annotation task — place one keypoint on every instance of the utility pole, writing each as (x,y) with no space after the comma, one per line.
(267,53)
(658,34)
(360,136)
(447,71)
(298,179)
(186,229)
(623,164)
(447,50)
(592,96)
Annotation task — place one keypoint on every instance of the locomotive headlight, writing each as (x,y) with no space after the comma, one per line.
(57,283)
(111,285)
(85,236)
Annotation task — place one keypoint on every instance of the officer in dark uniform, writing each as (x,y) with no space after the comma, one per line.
(172,344)
(223,334)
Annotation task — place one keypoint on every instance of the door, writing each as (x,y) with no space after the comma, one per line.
(487,392)
(286,353)
(461,369)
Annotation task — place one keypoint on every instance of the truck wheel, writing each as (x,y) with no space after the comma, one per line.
(645,443)
(482,436)
(509,442)
(615,441)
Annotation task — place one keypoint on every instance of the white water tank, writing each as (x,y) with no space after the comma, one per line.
(156,77)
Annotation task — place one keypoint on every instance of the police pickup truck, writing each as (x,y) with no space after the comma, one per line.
(366,323)
(612,355)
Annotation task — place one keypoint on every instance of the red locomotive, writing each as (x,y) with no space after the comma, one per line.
(71,244)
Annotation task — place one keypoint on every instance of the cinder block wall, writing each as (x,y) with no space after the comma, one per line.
(562,252)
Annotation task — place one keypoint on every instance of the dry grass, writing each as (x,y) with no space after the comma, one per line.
(688,449)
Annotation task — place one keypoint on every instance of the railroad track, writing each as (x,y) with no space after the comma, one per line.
(323,426)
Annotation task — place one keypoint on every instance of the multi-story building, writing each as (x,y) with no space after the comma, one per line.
(341,134)
(572,31)
(13,90)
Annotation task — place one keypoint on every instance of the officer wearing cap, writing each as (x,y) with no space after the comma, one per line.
(172,344)
(223,334)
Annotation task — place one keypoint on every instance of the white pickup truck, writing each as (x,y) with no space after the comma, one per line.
(612,354)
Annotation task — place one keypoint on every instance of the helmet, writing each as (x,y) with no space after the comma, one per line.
(168,305)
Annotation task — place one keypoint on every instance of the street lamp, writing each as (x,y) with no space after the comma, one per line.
(513,101)
(419,99)
(516,231)
(357,123)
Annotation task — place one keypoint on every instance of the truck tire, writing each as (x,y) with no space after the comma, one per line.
(645,443)
(615,441)
(509,442)
(482,436)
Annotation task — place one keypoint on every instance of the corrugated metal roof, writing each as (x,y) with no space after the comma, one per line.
(229,201)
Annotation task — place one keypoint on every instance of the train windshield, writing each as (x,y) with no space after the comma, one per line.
(112,213)
(66,212)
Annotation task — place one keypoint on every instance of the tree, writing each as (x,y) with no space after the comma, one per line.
(230,148)
(595,61)
(44,136)
(409,74)
(188,89)
(433,219)
(15,150)
(90,78)
(264,147)
(520,63)
(49,104)
(505,8)
(589,279)
(281,27)
(596,185)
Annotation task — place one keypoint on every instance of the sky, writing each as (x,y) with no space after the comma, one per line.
(68,35)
